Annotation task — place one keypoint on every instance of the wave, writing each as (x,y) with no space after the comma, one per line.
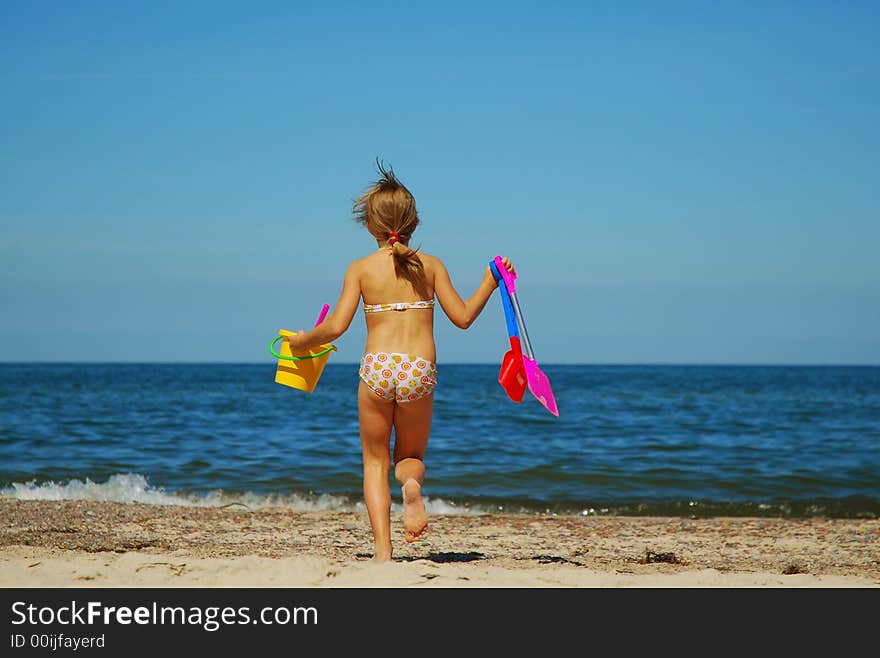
(134,488)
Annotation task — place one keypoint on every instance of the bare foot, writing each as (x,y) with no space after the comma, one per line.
(381,557)
(415,518)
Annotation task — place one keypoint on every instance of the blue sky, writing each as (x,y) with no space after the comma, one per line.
(676,182)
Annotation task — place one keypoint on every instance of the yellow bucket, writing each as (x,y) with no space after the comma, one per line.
(303,369)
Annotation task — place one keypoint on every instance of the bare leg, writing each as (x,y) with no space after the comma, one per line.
(412,426)
(376,418)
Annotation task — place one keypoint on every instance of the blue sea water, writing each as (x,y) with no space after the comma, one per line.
(648,440)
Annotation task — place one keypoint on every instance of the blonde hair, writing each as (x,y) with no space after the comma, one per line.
(386,208)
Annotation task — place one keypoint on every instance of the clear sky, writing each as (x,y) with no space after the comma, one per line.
(676,182)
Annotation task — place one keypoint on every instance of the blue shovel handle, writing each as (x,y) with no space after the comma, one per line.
(509,315)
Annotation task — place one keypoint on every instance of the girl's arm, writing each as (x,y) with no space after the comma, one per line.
(463,313)
(338,321)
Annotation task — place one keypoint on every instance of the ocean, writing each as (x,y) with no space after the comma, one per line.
(630,440)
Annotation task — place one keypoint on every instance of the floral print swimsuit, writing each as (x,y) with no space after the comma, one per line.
(396,376)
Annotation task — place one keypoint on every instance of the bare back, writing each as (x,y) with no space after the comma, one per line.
(409,331)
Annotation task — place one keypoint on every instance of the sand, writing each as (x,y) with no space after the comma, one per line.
(103,544)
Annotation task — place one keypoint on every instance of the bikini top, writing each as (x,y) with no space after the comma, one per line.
(398,306)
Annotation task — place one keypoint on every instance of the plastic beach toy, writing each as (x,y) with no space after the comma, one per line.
(303,369)
(538,382)
(512,375)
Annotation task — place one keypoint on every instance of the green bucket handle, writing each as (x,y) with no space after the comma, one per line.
(296,358)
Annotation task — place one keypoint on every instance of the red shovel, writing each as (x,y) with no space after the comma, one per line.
(512,376)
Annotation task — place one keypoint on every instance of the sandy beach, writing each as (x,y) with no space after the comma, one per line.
(101,544)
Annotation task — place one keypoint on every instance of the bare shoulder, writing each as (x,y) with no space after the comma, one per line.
(357,267)
(430,262)
(368,261)
(369,267)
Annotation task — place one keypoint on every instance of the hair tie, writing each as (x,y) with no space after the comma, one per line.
(393,237)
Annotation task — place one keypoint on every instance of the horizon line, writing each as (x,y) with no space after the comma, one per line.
(625,364)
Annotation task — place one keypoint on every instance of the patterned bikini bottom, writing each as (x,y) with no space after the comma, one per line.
(399,377)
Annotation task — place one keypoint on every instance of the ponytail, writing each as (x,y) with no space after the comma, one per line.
(406,261)
(388,211)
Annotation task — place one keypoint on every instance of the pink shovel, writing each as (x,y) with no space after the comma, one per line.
(539,383)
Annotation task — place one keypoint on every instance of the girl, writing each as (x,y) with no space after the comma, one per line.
(397,372)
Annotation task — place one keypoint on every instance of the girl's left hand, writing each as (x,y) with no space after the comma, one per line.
(507,265)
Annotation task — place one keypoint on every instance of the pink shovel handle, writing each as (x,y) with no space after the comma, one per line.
(323,315)
(509,279)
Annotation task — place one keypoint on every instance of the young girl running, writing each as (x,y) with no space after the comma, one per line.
(398,371)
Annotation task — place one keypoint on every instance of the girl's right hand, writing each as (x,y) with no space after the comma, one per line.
(290,341)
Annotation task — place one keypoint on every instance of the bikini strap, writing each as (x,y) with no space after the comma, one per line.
(398,306)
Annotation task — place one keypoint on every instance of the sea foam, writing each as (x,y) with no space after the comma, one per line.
(134,488)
